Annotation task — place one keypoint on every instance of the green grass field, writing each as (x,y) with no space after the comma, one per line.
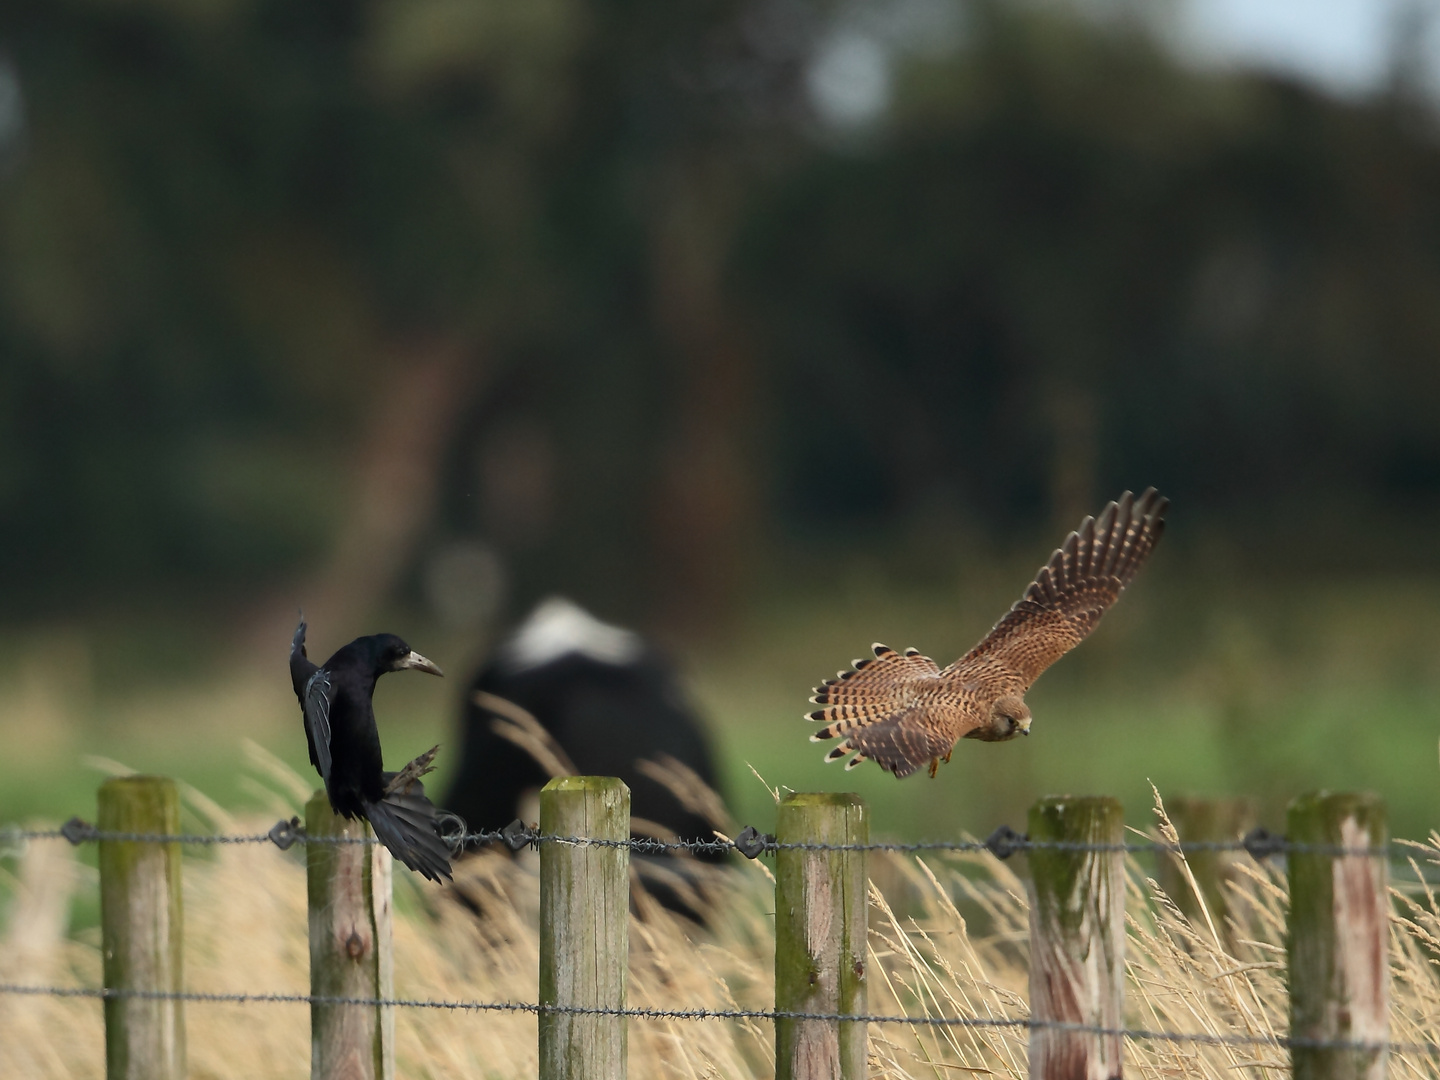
(1267,690)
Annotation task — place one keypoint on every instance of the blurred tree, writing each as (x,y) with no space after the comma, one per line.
(1069,265)
(234,228)
(321,292)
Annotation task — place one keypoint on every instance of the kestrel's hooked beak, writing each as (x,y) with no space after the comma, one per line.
(419,663)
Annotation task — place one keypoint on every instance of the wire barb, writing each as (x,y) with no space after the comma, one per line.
(77,831)
(752,842)
(1005,841)
(1261,843)
(518,835)
(283,834)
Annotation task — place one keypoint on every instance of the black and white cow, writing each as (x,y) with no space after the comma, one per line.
(606,697)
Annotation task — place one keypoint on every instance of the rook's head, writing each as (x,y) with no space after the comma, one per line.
(390,653)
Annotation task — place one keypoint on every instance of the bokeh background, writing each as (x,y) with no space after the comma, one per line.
(769,328)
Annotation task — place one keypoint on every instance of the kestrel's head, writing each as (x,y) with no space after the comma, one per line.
(1009,716)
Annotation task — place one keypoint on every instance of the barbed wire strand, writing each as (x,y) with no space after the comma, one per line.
(535,1008)
(1403,850)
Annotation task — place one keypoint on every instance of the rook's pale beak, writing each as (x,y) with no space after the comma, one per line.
(419,663)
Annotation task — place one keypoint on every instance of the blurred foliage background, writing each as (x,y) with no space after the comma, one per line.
(770,327)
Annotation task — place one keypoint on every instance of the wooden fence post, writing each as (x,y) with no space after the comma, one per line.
(142,930)
(820,937)
(584,927)
(1202,821)
(1339,937)
(350,948)
(1077,938)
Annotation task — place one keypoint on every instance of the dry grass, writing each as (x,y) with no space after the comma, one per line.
(245,931)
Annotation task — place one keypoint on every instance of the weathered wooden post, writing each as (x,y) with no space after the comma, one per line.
(1199,820)
(1077,938)
(820,937)
(142,930)
(1339,936)
(350,948)
(584,927)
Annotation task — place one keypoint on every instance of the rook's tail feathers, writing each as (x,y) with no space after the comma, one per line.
(406,823)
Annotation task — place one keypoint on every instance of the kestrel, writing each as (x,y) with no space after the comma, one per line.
(901,710)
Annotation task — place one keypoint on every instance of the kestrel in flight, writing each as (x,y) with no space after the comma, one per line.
(901,710)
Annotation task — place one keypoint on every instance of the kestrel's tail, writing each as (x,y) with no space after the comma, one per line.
(875,692)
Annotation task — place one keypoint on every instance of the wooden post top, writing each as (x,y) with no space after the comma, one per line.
(823,798)
(1314,817)
(141,779)
(1059,814)
(140,796)
(585,783)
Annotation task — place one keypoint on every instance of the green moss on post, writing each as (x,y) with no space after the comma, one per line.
(142,930)
(1077,938)
(1339,933)
(350,949)
(1203,821)
(820,937)
(584,927)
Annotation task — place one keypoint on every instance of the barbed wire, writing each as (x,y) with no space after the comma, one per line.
(1026,1023)
(1002,843)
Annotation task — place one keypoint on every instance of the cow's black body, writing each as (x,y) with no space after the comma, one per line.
(605,707)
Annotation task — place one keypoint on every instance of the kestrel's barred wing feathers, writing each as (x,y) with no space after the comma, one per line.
(1084,576)
(868,703)
(871,690)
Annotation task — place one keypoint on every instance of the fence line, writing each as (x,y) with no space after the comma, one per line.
(1203,1038)
(1332,833)
(1260,848)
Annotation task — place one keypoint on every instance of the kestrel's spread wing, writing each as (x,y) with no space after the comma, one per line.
(1084,576)
(900,710)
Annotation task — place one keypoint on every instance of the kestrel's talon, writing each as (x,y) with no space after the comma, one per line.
(946,758)
(934,767)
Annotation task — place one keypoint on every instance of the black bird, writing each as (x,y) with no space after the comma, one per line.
(335,700)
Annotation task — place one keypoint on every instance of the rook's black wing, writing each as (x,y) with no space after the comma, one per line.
(318,694)
(312,687)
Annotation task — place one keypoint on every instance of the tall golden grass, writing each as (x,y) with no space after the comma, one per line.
(948,938)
